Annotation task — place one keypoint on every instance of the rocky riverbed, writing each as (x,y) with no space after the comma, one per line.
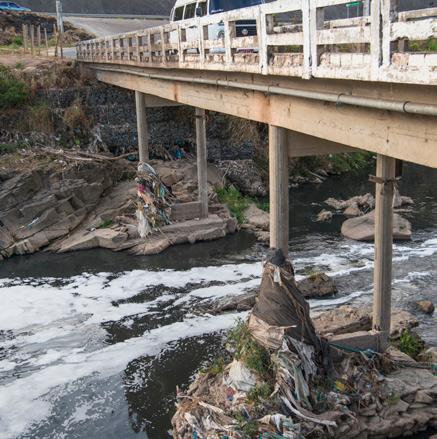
(93,343)
(66,201)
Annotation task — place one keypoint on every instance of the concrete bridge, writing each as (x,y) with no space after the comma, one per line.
(323,87)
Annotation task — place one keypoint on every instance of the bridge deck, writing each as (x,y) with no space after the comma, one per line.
(293,39)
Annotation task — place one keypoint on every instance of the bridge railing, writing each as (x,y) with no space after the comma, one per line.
(292,38)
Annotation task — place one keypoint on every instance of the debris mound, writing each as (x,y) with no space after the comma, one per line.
(281,380)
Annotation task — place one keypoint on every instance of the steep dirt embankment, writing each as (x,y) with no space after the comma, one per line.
(11,28)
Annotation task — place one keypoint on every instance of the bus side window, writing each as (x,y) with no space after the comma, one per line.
(190,11)
(179,13)
(201,7)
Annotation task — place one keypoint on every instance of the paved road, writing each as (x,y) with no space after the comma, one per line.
(102,27)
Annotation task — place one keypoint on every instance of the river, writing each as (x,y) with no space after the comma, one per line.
(93,344)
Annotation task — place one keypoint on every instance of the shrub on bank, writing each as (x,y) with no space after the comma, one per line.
(13,92)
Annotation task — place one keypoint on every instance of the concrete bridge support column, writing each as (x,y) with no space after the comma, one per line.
(143,132)
(202,165)
(385,178)
(278,163)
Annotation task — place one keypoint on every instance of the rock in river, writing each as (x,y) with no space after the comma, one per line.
(363,228)
(426,306)
(317,285)
(257,218)
(324,215)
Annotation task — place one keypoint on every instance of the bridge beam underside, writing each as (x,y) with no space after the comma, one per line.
(405,137)
(299,127)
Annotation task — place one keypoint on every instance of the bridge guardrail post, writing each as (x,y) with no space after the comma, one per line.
(229,35)
(263,50)
(317,19)
(306,25)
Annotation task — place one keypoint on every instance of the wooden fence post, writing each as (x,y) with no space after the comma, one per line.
(46,40)
(38,36)
(32,39)
(25,38)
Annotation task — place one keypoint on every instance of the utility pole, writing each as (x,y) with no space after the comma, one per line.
(60,20)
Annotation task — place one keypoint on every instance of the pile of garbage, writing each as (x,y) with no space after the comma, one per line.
(154,201)
(282,380)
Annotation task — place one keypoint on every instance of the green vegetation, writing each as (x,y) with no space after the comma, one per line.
(217,367)
(40,118)
(259,392)
(347,162)
(263,205)
(236,202)
(18,41)
(8,148)
(106,224)
(13,92)
(430,45)
(247,426)
(410,344)
(393,399)
(247,350)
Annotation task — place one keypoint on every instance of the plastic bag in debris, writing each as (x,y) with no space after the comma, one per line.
(240,377)
(144,228)
(281,305)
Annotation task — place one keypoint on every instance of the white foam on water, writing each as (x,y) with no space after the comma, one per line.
(216,292)
(25,402)
(330,303)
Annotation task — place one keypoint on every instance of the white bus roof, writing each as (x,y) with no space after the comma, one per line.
(187,2)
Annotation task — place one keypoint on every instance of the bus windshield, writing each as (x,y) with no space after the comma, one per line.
(217,6)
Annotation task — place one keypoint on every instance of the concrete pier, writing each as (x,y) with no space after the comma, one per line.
(143,132)
(385,181)
(278,160)
(202,166)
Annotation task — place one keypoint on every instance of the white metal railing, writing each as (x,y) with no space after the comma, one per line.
(372,48)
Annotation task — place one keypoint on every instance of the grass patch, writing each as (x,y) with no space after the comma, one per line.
(217,367)
(249,427)
(350,162)
(106,224)
(430,45)
(75,116)
(259,392)
(40,118)
(236,202)
(393,399)
(13,92)
(411,344)
(247,350)
(9,148)
(263,205)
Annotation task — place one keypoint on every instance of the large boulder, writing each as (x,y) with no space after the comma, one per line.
(257,218)
(363,228)
(324,215)
(103,238)
(318,285)
(347,319)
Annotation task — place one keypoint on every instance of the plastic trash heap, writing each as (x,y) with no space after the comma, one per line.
(154,201)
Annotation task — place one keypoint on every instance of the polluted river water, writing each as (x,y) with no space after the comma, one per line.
(93,344)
